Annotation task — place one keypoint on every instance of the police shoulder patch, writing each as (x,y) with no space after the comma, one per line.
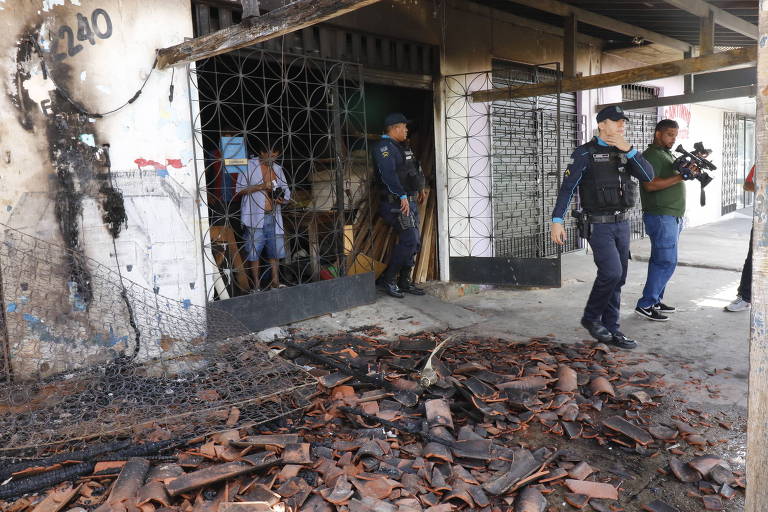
(568,172)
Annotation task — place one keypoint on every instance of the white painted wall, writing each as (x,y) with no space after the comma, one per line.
(159,247)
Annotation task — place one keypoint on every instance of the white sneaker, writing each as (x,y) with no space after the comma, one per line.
(738,304)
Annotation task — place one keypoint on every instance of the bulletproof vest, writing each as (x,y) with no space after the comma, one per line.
(606,186)
(408,172)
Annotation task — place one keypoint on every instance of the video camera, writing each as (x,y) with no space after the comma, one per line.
(698,159)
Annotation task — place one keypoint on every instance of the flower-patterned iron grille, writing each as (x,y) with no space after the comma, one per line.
(282,164)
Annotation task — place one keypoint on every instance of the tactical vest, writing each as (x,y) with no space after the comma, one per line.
(606,186)
(408,172)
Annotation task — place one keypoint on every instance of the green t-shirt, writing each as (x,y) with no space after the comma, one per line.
(671,200)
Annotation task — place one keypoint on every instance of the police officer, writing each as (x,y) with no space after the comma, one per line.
(601,169)
(401,185)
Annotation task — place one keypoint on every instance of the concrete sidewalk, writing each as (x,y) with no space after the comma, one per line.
(720,245)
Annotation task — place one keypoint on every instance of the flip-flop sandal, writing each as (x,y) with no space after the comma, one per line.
(279,286)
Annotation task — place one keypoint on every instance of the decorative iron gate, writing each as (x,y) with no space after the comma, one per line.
(311,113)
(504,163)
(730,162)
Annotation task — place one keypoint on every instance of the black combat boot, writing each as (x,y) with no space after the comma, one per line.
(387,283)
(406,285)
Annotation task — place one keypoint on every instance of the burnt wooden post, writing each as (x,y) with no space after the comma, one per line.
(250,8)
(757,433)
(569,45)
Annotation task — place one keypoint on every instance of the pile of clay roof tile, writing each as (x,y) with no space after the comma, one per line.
(489,425)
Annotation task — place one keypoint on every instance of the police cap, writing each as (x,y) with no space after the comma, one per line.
(394,118)
(613,113)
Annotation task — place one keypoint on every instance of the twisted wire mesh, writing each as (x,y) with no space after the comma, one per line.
(122,358)
(308,112)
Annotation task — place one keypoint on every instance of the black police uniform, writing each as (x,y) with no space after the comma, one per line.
(603,175)
(399,177)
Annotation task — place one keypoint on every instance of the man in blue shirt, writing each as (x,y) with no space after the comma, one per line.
(602,169)
(401,186)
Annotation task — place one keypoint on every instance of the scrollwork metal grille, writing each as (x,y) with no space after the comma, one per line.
(311,113)
(504,161)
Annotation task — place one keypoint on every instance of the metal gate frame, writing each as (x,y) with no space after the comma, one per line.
(489,240)
(313,111)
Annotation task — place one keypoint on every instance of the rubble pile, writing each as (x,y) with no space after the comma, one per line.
(423,423)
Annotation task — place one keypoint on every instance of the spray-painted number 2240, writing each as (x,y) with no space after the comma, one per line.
(100,26)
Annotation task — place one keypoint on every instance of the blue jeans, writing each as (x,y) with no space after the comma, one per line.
(664,232)
(610,247)
(258,239)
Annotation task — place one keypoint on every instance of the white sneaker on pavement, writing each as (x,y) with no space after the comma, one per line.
(738,304)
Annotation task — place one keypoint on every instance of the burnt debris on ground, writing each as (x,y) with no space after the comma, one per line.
(429,422)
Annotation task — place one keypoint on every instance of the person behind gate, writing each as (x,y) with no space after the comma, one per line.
(401,186)
(663,201)
(602,170)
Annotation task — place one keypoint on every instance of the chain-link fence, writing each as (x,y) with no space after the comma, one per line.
(88,355)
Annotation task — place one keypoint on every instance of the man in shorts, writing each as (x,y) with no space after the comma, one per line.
(264,190)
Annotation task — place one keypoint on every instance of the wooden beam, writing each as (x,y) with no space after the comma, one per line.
(757,435)
(723,18)
(598,20)
(284,20)
(734,57)
(707,34)
(569,46)
(746,91)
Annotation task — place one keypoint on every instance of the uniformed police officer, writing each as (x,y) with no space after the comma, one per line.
(602,170)
(401,186)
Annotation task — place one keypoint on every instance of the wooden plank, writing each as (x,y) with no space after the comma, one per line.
(757,438)
(284,20)
(598,20)
(723,18)
(719,94)
(707,34)
(735,57)
(570,46)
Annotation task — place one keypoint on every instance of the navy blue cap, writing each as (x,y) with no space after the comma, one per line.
(394,118)
(613,113)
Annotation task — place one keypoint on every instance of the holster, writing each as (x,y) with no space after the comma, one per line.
(582,224)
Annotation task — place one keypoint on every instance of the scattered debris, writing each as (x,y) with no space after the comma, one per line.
(488,429)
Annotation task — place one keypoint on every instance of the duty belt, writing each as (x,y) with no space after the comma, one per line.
(396,199)
(607,218)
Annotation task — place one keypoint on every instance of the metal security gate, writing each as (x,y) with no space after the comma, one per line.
(311,112)
(504,162)
(730,162)
(639,133)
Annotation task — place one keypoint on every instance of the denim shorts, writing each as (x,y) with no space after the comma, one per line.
(259,239)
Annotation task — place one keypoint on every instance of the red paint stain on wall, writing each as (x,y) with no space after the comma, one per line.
(141,162)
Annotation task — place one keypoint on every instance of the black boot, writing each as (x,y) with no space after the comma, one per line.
(406,285)
(387,283)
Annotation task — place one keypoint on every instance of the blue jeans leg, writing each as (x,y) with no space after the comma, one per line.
(664,233)
(610,248)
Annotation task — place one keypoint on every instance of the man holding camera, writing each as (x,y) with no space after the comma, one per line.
(663,201)
(602,169)
(264,191)
(401,185)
